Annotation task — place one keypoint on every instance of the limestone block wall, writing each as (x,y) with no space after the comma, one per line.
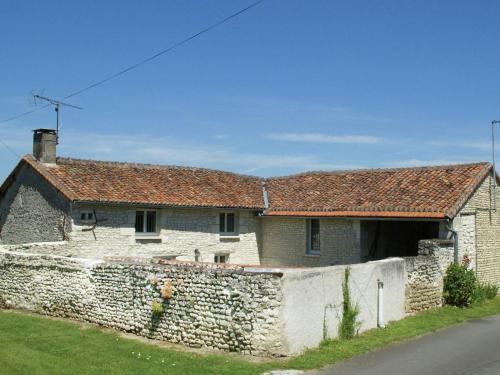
(425,273)
(215,307)
(487,231)
(31,210)
(284,242)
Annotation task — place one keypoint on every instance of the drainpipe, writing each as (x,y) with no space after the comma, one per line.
(380,305)
(265,195)
(455,238)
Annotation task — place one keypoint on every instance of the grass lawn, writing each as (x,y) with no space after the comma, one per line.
(36,345)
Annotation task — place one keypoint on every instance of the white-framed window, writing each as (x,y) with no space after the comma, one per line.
(228,223)
(87,216)
(313,237)
(221,258)
(145,221)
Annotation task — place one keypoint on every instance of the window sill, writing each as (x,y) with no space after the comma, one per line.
(146,236)
(312,255)
(235,237)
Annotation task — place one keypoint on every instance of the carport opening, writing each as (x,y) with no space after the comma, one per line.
(382,239)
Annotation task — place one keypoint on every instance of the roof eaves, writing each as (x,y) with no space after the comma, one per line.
(165,204)
(469,191)
(11,177)
(359,214)
(49,177)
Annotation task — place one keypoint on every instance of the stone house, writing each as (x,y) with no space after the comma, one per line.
(310,219)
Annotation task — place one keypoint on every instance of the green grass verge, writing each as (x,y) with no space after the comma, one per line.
(36,345)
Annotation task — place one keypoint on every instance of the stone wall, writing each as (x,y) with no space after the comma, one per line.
(32,211)
(215,307)
(252,310)
(284,242)
(424,275)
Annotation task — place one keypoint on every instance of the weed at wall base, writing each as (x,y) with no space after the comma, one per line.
(348,325)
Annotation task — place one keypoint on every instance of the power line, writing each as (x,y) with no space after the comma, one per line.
(10,149)
(23,114)
(146,60)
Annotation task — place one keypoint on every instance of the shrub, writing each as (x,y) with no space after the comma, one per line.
(348,325)
(460,284)
(157,308)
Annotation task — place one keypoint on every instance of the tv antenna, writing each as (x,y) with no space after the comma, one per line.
(57,106)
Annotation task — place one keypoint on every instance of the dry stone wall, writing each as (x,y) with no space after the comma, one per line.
(215,307)
(424,275)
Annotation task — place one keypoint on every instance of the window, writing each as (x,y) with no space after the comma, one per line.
(87,216)
(145,221)
(227,223)
(221,258)
(313,237)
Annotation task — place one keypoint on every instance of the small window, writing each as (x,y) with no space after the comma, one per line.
(227,223)
(145,221)
(87,216)
(221,258)
(313,237)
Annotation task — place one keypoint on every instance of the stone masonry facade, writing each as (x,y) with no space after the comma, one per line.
(478,213)
(32,211)
(182,232)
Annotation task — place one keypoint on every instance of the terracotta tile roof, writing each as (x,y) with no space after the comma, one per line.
(433,192)
(427,192)
(95,181)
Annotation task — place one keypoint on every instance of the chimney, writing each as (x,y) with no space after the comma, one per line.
(44,145)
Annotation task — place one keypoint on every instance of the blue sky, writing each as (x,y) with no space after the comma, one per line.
(289,86)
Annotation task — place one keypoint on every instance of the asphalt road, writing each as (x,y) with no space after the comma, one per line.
(469,348)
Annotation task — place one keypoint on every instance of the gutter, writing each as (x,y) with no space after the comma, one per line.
(265,195)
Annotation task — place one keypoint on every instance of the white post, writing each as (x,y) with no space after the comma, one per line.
(380,307)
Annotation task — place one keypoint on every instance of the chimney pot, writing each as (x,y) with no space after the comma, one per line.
(44,145)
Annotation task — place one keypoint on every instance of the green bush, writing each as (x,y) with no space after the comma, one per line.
(460,284)
(348,325)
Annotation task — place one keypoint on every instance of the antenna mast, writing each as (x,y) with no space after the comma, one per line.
(57,105)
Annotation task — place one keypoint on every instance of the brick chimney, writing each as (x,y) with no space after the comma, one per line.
(44,145)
